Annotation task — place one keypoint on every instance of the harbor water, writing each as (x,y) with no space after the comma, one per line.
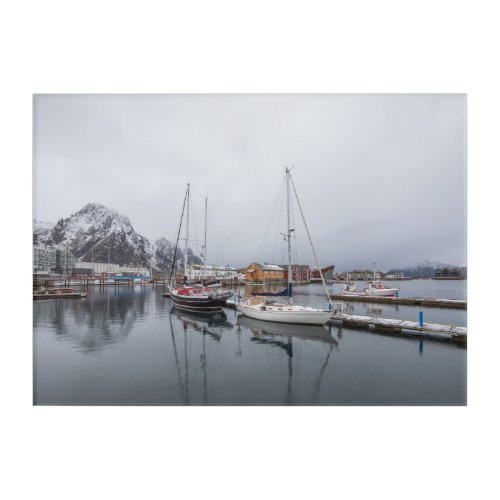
(127,345)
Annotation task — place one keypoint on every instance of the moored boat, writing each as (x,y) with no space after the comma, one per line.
(374,288)
(59,293)
(267,308)
(192,297)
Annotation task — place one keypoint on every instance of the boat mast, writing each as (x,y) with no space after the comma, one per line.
(174,260)
(152,255)
(289,232)
(205,243)
(187,233)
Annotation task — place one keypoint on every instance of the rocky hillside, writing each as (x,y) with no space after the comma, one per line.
(98,233)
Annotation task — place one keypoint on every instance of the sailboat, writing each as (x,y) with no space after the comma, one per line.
(269,309)
(197,297)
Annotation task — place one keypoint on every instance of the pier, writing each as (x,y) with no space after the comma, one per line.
(431,330)
(408,301)
(59,295)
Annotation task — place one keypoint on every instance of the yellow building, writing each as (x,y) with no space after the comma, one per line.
(264,273)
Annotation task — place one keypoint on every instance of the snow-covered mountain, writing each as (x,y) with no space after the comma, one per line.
(98,233)
(41,230)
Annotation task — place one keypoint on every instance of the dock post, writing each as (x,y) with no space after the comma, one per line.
(421,319)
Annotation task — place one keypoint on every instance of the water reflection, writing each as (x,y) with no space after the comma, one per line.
(208,324)
(375,310)
(269,334)
(211,324)
(95,322)
(151,353)
(267,328)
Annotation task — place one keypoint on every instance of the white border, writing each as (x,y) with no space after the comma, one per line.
(222,46)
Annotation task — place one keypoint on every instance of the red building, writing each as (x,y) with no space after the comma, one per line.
(327,273)
(300,272)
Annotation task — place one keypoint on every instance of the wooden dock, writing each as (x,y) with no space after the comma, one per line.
(68,295)
(431,330)
(408,301)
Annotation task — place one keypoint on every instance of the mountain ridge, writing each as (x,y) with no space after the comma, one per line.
(102,234)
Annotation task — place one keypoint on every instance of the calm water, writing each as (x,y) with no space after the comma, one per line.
(127,346)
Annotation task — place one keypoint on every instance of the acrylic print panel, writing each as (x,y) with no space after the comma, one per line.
(381,178)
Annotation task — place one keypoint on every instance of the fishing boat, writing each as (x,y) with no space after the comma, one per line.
(349,286)
(374,288)
(269,308)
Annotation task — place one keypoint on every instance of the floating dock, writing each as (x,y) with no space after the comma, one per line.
(431,330)
(408,301)
(68,295)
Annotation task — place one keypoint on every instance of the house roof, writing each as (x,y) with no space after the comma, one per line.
(267,267)
(272,267)
(323,269)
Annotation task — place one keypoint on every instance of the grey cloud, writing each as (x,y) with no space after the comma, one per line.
(381,177)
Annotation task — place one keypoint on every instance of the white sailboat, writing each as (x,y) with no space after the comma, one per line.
(269,309)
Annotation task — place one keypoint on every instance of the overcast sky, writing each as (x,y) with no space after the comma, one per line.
(380,177)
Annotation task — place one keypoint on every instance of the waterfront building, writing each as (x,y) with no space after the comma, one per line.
(448,272)
(197,272)
(64,261)
(44,259)
(393,276)
(51,260)
(327,273)
(260,273)
(301,273)
(97,268)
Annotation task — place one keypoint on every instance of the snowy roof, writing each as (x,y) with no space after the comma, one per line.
(296,266)
(271,267)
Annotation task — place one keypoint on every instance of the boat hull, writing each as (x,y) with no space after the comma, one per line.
(389,292)
(221,298)
(302,317)
(196,304)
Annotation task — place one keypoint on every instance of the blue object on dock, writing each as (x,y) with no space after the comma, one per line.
(421,318)
(397,294)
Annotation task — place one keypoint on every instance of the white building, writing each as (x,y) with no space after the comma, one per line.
(197,272)
(49,259)
(44,259)
(104,267)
